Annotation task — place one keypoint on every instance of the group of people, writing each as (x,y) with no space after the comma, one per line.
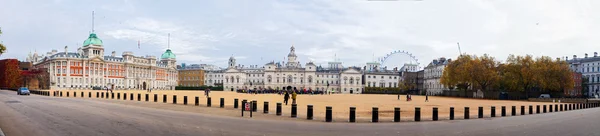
(286,97)
(280,92)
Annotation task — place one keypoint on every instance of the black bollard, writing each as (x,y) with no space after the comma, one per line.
(146,96)
(243,107)
(466,113)
(112,95)
(74,94)
(352,117)
(550,108)
(266,107)
(68,94)
(254,106)
(537,109)
(555,107)
(480,112)
(375,115)
(196,100)
(328,112)
(164,98)
(493,113)
(118,96)
(530,109)
(503,112)
(294,110)
(222,103)
(174,99)
(124,96)
(278,110)
(513,112)
(417,113)
(62,93)
(309,112)
(544,109)
(396,114)
(155,97)
(435,114)
(561,107)
(235,103)
(570,105)
(209,102)
(89,94)
(184,100)
(451,113)
(131,96)
(139,97)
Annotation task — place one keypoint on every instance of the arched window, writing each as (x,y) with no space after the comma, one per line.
(269,78)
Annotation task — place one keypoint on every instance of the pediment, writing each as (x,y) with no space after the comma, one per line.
(97,59)
(351,71)
(231,70)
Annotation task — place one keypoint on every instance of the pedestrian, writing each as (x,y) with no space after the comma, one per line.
(286,97)
(426,98)
(294,98)
(207,92)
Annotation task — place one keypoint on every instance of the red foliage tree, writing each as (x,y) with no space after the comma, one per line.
(10,74)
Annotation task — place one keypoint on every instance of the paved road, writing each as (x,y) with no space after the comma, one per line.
(52,116)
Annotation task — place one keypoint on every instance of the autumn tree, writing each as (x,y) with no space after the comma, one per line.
(484,71)
(10,74)
(2,47)
(456,73)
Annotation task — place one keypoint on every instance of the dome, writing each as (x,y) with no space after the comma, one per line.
(168,55)
(92,40)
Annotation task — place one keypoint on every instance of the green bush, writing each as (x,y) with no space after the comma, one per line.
(381,90)
(212,88)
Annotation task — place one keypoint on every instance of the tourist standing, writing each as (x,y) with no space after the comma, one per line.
(294,98)
(286,97)
(426,98)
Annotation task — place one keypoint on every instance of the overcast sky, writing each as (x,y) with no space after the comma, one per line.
(259,31)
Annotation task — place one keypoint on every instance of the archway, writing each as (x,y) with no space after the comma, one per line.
(144,85)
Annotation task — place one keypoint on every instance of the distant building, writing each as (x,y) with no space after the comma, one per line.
(589,67)
(577,86)
(191,77)
(88,67)
(432,75)
(420,81)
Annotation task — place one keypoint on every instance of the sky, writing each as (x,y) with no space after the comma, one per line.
(256,32)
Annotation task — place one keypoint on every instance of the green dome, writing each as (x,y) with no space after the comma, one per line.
(168,55)
(92,40)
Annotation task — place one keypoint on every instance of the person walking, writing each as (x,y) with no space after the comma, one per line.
(286,97)
(426,98)
(294,97)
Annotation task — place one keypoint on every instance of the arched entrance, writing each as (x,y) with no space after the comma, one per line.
(144,85)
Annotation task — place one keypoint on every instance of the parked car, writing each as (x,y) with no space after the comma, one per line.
(23,91)
(544,95)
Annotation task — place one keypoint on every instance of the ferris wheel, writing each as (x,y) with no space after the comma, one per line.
(398,53)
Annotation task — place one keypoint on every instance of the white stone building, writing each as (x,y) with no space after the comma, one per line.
(589,67)
(88,68)
(292,74)
(432,74)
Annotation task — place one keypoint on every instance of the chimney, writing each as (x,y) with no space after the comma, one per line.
(114,53)
(566,57)
(585,55)
(574,56)
(66,49)
(595,54)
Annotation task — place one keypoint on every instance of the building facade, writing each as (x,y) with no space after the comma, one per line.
(88,67)
(589,67)
(280,76)
(191,77)
(432,75)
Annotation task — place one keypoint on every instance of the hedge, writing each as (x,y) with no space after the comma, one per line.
(212,88)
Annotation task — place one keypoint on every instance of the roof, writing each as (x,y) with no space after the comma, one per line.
(583,60)
(168,55)
(92,40)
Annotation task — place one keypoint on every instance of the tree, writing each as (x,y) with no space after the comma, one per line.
(484,71)
(457,73)
(2,47)
(519,73)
